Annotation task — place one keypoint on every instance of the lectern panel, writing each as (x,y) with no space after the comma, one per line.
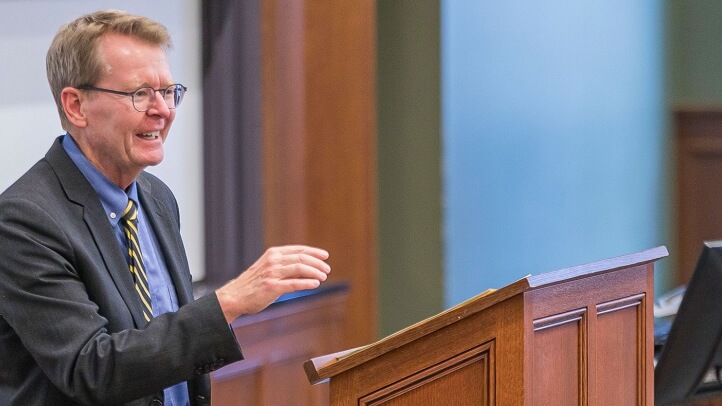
(559,371)
(470,373)
(622,351)
(571,337)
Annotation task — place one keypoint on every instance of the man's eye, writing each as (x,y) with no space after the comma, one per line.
(143,93)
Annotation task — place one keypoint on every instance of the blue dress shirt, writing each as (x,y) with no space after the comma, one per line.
(114,200)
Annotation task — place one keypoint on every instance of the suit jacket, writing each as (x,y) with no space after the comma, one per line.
(71,326)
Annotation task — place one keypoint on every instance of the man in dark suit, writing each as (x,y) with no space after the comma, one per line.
(96,307)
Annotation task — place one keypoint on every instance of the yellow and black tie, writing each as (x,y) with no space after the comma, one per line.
(130,226)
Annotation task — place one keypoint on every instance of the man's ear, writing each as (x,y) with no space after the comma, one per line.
(72,100)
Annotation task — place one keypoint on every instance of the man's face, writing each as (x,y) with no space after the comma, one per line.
(119,140)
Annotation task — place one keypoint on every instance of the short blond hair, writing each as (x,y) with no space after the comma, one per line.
(74,57)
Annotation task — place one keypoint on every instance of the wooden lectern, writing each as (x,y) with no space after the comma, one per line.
(578,336)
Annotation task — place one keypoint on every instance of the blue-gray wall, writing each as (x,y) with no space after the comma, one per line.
(554,140)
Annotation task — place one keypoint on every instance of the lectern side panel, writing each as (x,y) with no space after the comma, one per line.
(615,347)
(469,373)
(477,360)
(622,351)
(559,363)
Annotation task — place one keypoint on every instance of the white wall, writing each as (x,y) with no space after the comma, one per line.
(29,121)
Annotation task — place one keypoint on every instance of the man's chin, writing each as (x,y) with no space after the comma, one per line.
(152,160)
(155,162)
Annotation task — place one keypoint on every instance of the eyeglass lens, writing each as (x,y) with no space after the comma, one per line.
(172,95)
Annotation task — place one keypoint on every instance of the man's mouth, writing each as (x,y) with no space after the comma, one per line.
(150,136)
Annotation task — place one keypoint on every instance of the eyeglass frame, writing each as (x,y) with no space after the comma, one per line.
(133,93)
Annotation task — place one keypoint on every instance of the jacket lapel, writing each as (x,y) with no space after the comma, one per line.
(79,191)
(161,217)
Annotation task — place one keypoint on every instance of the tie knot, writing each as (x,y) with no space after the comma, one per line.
(131,211)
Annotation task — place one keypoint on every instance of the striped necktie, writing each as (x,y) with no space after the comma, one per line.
(130,226)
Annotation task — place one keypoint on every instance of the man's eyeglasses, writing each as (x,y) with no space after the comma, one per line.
(143,97)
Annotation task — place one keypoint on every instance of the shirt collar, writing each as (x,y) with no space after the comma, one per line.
(113,198)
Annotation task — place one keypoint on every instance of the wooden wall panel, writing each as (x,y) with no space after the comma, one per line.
(699,184)
(341,100)
(319,126)
(285,135)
